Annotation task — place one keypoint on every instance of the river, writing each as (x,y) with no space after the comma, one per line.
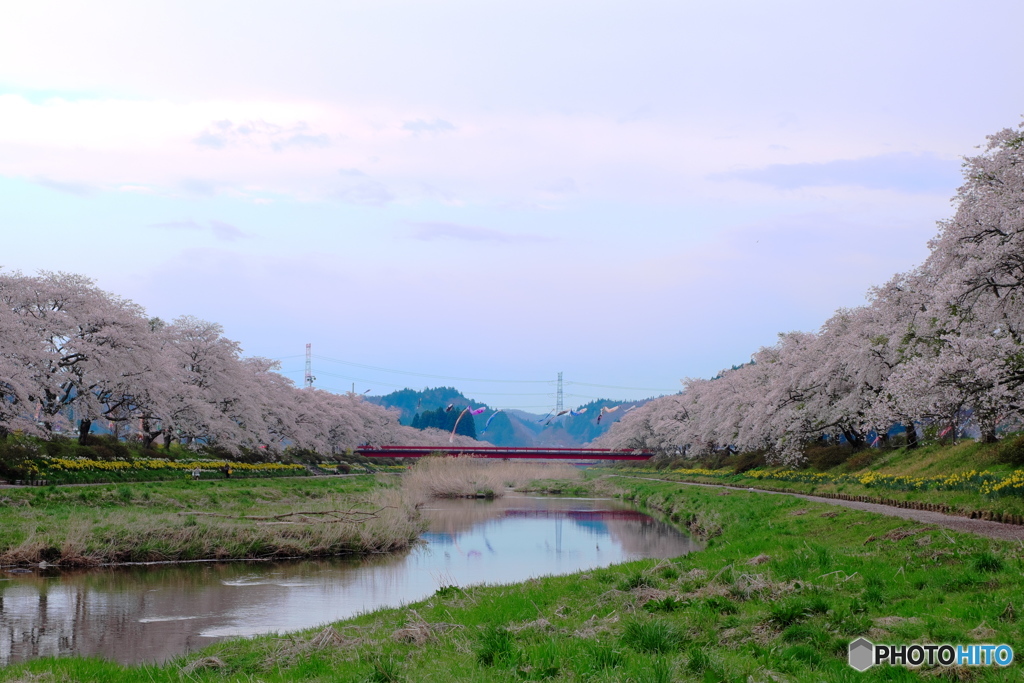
(149,613)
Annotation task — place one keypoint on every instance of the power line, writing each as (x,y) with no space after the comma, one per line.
(402,386)
(360,379)
(422,374)
(472,379)
(611,386)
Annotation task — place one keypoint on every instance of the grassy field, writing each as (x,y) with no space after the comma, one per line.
(782,588)
(186,520)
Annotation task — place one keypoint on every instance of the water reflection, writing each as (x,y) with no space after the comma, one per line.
(150,613)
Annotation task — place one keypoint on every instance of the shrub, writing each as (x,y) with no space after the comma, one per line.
(748,461)
(824,458)
(1012,451)
(861,460)
(19,458)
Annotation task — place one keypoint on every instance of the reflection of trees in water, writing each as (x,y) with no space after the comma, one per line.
(636,532)
(133,614)
(453,517)
(650,538)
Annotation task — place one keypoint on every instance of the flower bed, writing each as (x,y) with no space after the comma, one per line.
(986,483)
(81,470)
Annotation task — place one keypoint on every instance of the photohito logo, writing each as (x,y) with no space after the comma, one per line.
(864,654)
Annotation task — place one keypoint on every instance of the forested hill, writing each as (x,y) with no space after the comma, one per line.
(410,401)
(514,428)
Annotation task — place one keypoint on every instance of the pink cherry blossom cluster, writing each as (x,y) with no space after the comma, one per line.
(72,355)
(941,345)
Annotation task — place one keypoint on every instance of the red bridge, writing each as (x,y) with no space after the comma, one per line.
(501,452)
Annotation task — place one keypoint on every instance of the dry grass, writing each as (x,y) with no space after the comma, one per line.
(467,477)
(374,521)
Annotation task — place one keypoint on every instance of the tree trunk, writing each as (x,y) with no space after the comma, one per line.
(854,439)
(4,432)
(911,435)
(988,435)
(84,426)
(167,441)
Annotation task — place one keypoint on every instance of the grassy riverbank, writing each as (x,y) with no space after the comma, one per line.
(186,520)
(964,478)
(781,589)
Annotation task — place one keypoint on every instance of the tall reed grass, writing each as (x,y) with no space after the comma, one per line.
(466,476)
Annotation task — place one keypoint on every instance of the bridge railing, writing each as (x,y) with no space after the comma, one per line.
(504,452)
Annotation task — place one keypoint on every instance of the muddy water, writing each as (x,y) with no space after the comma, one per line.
(150,613)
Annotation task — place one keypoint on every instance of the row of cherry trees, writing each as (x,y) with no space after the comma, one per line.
(940,345)
(72,354)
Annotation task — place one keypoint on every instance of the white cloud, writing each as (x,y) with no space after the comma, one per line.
(430,231)
(219,229)
(436,126)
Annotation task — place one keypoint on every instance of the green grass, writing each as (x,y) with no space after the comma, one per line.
(928,460)
(817,583)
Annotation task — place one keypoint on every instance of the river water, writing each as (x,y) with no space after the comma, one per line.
(149,613)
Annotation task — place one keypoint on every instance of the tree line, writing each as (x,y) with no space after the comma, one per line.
(72,355)
(939,346)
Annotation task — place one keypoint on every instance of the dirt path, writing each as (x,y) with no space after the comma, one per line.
(997,530)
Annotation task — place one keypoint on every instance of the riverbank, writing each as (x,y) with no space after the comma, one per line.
(192,520)
(981,527)
(781,589)
(968,479)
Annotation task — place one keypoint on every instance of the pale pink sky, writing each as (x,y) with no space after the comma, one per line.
(627,192)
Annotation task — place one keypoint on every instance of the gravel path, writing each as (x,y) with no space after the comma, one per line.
(998,530)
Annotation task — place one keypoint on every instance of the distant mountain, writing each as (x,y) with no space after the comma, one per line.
(511,428)
(409,401)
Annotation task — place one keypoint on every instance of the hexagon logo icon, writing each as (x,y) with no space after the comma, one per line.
(862,654)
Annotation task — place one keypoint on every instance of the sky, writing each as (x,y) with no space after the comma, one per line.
(446,192)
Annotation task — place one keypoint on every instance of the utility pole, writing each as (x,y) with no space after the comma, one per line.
(558,396)
(309,367)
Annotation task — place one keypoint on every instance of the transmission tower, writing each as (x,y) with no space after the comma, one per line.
(309,367)
(558,396)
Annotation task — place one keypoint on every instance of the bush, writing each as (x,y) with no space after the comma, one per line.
(824,458)
(861,460)
(748,461)
(1012,451)
(715,461)
(19,458)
